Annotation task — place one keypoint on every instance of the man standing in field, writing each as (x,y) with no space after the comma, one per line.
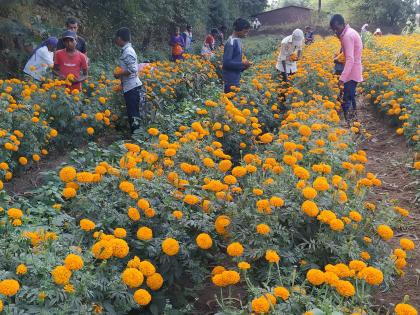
(72,24)
(286,62)
(352,46)
(233,65)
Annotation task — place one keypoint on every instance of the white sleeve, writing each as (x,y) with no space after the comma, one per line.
(283,54)
(45,56)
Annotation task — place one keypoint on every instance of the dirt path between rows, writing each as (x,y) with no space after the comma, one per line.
(390,159)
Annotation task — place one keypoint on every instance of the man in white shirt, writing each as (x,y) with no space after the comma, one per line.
(41,59)
(290,52)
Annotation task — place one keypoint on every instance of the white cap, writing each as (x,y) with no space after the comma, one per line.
(378,30)
(297,36)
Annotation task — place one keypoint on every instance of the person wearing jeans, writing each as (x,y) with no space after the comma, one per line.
(352,46)
(134,94)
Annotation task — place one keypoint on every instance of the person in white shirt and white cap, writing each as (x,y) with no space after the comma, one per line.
(290,52)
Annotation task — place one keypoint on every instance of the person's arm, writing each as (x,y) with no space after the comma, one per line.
(83,48)
(130,65)
(84,67)
(348,47)
(45,57)
(228,62)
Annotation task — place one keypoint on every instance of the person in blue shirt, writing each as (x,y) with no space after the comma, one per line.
(233,65)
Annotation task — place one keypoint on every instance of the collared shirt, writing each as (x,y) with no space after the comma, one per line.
(128,61)
(352,46)
(287,48)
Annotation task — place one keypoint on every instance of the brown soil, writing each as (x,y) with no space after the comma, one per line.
(390,159)
(32,178)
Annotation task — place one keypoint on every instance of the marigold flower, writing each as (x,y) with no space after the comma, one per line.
(260,305)
(170,246)
(281,292)
(371,275)
(132,277)
(147,268)
(191,199)
(87,225)
(69,193)
(385,232)
(405,309)
(21,269)
(263,229)
(235,249)
(345,288)
(271,256)
(153,131)
(321,184)
(119,247)
(315,277)
(142,297)
(309,193)
(155,281)
(204,241)
(120,233)
(310,208)
(15,213)
(225,165)
(61,275)
(243,265)
(102,249)
(133,214)
(276,201)
(336,225)
(407,244)
(67,174)
(73,262)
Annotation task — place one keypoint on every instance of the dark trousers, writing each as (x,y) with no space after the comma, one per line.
(229,85)
(134,99)
(349,96)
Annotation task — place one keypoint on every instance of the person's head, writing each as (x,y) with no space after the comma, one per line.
(241,27)
(214,32)
(72,24)
(177,31)
(337,24)
(51,43)
(223,28)
(297,36)
(122,37)
(69,40)
(307,28)
(189,28)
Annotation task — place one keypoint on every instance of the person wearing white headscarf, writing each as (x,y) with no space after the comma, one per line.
(290,52)
(365,27)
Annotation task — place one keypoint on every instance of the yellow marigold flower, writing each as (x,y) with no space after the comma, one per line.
(309,193)
(336,225)
(73,262)
(155,281)
(177,214)
(400,253)
(132,277)
(276,201)
(263,229)
(142,297)
(310,208)
(191,199)
(289,160)
(266,138)
(357,265)
(87,225)
(147,268)
(68,288)
(119,247)
(120,233)
(230,180)
(204,241)
(365,255)
(331,278)
(67,174)
(243,265)
(170,246)
(21,269)
(355,216)
(371,275)
(126,186)
(90,131)
(271,256)
(225,165)
(61,275)
(15,213)
(315,277)
(102,249)
(345,288)
(281,292)
(239,171)
(407,244)
(153,131)
(321,184)
(69,193)
(260,305)
(133,214)
(235,249)
(305,131)
(385,232)
(405,309)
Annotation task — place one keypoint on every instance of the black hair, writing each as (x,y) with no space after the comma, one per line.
(72,20)
(214,31)
(188,26)
(337,19)
(241,24)
(223,27)
(124,33)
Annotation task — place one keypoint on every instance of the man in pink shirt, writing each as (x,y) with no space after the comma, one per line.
(351,44)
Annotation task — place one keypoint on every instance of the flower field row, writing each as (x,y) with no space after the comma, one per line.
(262,191)
(35,118)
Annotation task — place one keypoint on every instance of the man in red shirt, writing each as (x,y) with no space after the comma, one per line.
(69,62)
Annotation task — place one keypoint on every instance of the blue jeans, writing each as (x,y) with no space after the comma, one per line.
(349,97)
